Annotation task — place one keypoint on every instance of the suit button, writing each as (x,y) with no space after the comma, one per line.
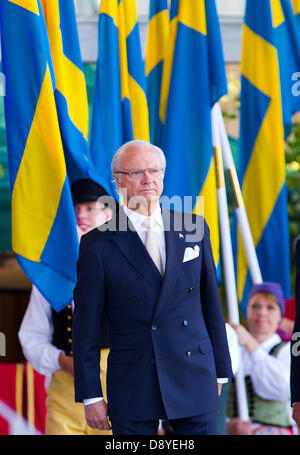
(191,290)
(154,326)
(188,354)
(185,323)
(153,360)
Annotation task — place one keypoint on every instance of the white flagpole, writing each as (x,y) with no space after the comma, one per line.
(227,259)
(17,425)
(238,199)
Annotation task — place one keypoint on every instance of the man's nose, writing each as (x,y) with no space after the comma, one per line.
(147,177)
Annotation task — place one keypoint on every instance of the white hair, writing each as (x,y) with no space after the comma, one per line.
(115,164)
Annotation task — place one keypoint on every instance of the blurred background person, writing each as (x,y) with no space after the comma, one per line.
(266,363)
(46,335)
(286,326)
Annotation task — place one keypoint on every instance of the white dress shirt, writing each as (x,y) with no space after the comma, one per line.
(270,375)
(35,335)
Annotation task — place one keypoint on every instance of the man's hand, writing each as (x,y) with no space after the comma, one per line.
(296,414)
(219,388)
(66,363)
(96,415)
(245,338)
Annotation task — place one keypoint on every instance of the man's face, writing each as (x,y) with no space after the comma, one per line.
(146,188)
(90,215)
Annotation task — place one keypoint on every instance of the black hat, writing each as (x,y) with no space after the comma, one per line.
(86,190)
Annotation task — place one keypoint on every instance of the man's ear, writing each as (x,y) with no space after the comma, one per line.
(117,179)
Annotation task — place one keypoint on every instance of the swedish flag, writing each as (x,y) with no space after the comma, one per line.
(193,80)
(156,48)
(287,40)
(70,91)
(120,105)
(44,233)
(270,55)
(296,9)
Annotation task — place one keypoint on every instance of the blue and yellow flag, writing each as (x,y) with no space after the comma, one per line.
(287,40)
(70,90)
(120,110)
(193,80)
(156,48)
(44,235)
(268,60)
(296,9)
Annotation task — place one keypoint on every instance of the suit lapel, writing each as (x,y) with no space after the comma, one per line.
(175,246)
(131,246)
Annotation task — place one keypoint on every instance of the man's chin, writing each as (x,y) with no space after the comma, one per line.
(149,195)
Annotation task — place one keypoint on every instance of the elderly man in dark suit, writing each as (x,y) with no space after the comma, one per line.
(152,273)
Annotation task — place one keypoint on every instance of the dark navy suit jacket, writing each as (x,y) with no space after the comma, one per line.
(295,348)
(168,340)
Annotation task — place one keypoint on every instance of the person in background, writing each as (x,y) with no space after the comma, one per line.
(266,364)
(286,326)
(46,335)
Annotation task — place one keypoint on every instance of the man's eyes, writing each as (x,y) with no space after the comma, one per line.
(151,171)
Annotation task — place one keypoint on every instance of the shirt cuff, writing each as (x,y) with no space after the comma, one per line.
(88,401)
(222,380)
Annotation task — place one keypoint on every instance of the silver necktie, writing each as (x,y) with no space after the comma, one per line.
(151,243)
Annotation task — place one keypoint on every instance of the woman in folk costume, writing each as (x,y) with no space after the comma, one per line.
(266,364)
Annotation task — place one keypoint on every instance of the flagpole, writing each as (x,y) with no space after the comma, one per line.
(238,202)
(227,259)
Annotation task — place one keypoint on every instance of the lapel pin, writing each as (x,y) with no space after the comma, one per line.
(180,235)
